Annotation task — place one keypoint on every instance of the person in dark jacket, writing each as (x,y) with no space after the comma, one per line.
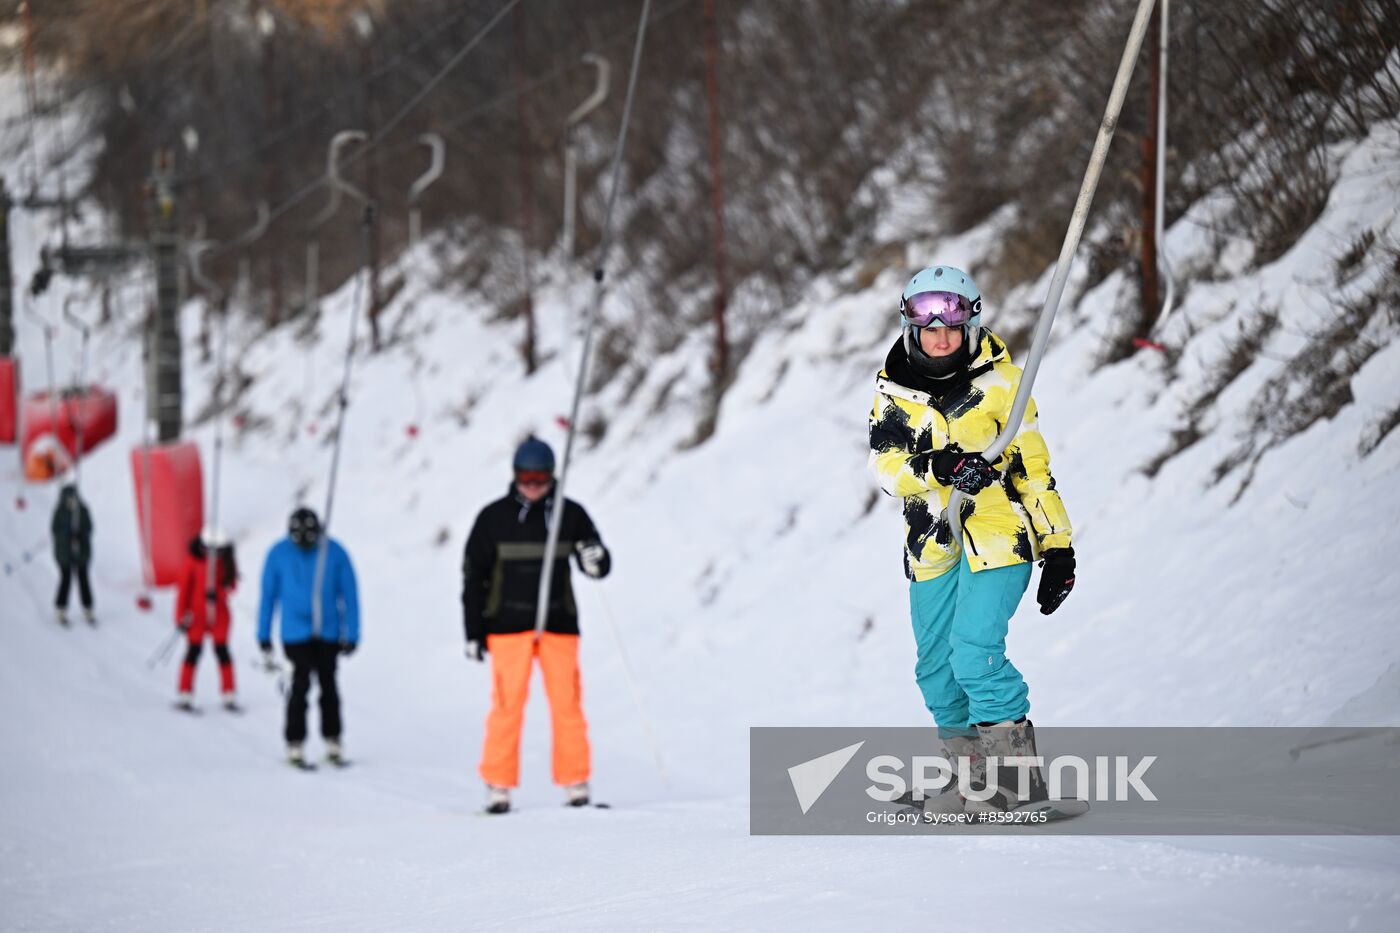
(316,628)
(72,550)
(500,591)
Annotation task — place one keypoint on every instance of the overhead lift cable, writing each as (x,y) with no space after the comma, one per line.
(383,132)
(305,119)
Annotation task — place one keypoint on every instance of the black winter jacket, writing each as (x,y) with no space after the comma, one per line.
(72,530)
(502,564)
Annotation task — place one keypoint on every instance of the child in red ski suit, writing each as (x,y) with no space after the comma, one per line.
(192,616)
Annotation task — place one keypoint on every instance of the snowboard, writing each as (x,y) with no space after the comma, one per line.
(1054,809)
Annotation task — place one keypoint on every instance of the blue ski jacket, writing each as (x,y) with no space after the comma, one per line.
(289,575)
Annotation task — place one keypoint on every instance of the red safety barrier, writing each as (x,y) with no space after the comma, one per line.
(176,495)
(93,409)
(9,399)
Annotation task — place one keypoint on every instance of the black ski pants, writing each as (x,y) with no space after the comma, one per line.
(65,582)
(312,658)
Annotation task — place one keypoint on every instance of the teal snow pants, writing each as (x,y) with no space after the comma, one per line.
(960,621)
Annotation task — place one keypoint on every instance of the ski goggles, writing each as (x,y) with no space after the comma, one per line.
(948,309)
(533,477)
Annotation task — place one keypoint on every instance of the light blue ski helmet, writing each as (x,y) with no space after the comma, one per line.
(947,279)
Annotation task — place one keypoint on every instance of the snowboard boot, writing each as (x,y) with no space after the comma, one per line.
(334,753)
(576,795)
(61,615)
(88,616)
(231,702)
(1017,786)
(497,799)
(956,749)
(185,701)
(295,757)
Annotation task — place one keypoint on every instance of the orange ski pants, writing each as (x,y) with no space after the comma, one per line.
(512,660)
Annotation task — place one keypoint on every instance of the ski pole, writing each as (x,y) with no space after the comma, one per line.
(636,690)
(1080,215)
(275,669)
(167,646)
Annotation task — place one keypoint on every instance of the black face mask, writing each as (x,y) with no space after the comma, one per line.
(304,528)
(936,367)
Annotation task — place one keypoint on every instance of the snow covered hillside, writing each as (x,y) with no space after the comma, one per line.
(757,581)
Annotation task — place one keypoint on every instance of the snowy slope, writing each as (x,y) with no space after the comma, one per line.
(757,582)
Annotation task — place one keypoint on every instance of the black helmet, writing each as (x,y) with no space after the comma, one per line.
(533,454)
(304,528)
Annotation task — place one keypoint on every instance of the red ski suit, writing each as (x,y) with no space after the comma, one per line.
(191,601)
(192,605)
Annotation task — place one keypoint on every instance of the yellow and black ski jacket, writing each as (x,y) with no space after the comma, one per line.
(1007,523)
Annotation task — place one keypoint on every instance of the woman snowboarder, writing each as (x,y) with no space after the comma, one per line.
(944,395)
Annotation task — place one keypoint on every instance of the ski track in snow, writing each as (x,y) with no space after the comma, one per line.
(746,572)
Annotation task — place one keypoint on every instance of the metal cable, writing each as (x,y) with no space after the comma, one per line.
(323,545)
(1078,218)
(306,190)
(556,522)
(325,108)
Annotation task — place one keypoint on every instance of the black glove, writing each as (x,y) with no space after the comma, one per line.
(1056,578)
(476,650)
(967,472)
(347,648)
(184,623)
(211,596)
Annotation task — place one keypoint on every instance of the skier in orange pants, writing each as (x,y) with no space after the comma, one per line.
(512,657)
(500,587)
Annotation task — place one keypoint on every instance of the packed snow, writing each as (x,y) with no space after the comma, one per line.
(757,581)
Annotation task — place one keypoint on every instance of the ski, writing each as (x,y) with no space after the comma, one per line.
(488,811)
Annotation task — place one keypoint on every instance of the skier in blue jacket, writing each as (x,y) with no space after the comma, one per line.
(313,635)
